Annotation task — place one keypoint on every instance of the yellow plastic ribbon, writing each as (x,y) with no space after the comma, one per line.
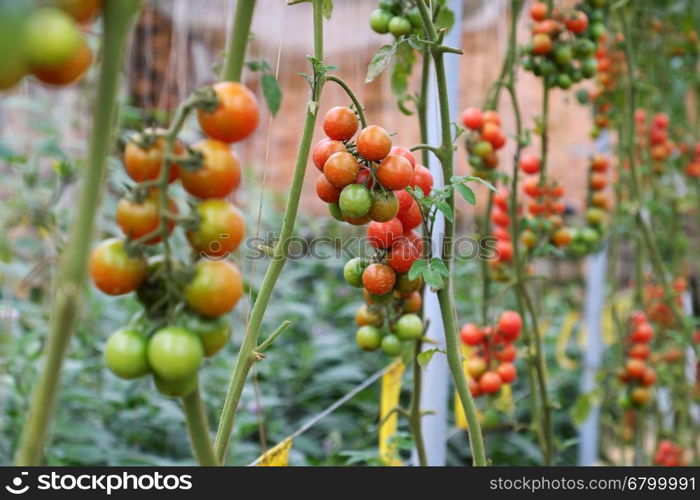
(277,456)
(567,328)
(391,390)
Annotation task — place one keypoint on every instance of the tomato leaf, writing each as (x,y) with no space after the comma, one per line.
(440,266)
(327,8)
(466,193)
(381,59)
(272,92)
(445,19)
(446,210)
(432,278)
(417,269)
(426,356)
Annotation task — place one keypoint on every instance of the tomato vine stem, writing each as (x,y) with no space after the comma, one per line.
(234,60)
(118,17)
(352,96)
(198,429)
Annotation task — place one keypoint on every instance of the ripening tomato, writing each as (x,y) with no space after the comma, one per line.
(635,368)
(220,229)
(402,256)
(562,237)
(476,366)
(357,221)
(139,219)
(373,143)
(405,152)
(501,233)
(175,353)
(532,188)
(490,382)
(601,200)
(341,169)
(414,238)
(236,116)
(530,163)
(385,205)
(384,234)
(412,217)
(577,22)
(649,377)
(68,72)
(482,149)
(506,354)
(508,372)
(510,325)
(340,123)
(113,270)
(405,200)
(642,333)
(472,118)
(600,163)
(395,172)
(474,389)
(661,120)
(500,218)
(366,315)
(412,303)
(368,338)
(327,191)
(125,353)
(404,285)
(556,190)
(490,133)
(82,11)
(378,279)
(219,174)
(504,250)
(143,156)
(471,334)
(215,288)
(538,11)
(640,396)
(324,149)
(541,44)
(51,38)
(528,238)
(491,116)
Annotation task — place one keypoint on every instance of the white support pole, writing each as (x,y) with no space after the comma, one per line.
(436,378)
(593,354)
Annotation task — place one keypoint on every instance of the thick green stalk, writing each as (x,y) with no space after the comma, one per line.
(238,41)
(73,269)
(422,105)
(247,355)
(445,294)
(198,429)
(415,415)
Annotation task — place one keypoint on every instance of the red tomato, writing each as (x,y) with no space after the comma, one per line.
(341,169)
(323,150)
(373,143)
(504,249)
(219,174)
(506,354)
(642,334)
(500,218)
(340,123)
(412,217)
(577,22)
(236,116)
(422,178)
(490,382)
(538,11)
(113,270)
(403,255)
(507,372)
(405,200)
(378,279)
(471,334)
(405,152)
(417,240)
(139,219)
(327,191)
(384,234)
(530,163)
(395,172)
(472,118)
(510,325)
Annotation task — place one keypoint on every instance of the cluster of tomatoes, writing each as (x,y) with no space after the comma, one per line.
(610,64)
(563,43)
(637,375)
(484,138)
(45,42)
(184,303)
(502,231)
(669,454)
(653,135)
(656,304)
(398,17)
(692,168)
(546,208)
(587,238)
(491,362)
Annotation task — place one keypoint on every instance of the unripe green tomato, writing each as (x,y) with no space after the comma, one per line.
(335,211)
(385,205)
(352,272)
(355,201)
(379,21)
(368,338)
(475,161)
(597,16)
(125,353)
(415,17)
(175,353)
(399,26)
(595,216)
(492,419)
(590,236)
(537,68)
(393,6)
(585,47)
(483,149)
(381,299)
(406,285)
(578,248)
(176,388)
(589,66)
(213,332)
(597,30)
(576,76)
(563,54)
(564,81)
(51,37)
(548,67)
(392,345)
(409,327)
(624,401)
(595,132)
(528,64)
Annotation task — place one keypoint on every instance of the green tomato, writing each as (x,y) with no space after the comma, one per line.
(528,64)
(175,353)
(585,47)
(595,216)
(352,272)
(406,285)
(385,205)
(399,26)
(379,21)
(125,353)
(368,338)
(415,17)
(624,401)
(548,67)
(597,30)
(590,236)
(393,6)
(564,81)
(409,327)
(475,161)
(597,15)
(589,66)
(483,149)
(355,201)
(392,345)
(176,388)
(563,54)
(381,299)
(492,419)
(335,211)
(576,76)
(214,333)
(51,37)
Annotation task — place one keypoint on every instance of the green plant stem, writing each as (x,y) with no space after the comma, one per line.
(415,414)
(198,429)
(232,69)
(422,105)
(351,95)
(445,294)
(72,272)
(246,356)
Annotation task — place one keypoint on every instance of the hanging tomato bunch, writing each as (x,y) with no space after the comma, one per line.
(669,454)
(563,43)
(637,375)
(491,362)
(484,137)
(587,239)
(45,42)
(184,303)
